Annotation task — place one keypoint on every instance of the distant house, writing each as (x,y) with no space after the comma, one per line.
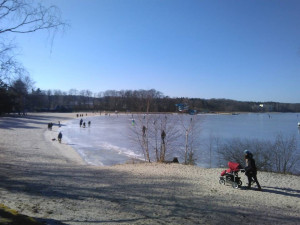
(182,107)
(263,108)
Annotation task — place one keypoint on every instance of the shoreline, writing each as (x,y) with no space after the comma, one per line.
(65,149)
(48,182)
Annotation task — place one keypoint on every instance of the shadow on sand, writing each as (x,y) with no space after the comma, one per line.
(137,200)
(29,121)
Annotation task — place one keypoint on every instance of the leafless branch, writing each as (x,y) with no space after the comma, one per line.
(23,16)
(19,17)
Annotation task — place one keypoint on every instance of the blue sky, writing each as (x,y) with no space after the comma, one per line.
(243,50)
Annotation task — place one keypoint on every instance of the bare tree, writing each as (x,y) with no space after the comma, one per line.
(21,17)
(211,145)
(140,130)
(284,154)
(278,156)
(89,94)
(57,98)
(156,134)
(25,16)
(191,127)
(165,135)
(233,150)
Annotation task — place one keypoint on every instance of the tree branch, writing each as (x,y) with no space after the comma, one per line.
(28,18)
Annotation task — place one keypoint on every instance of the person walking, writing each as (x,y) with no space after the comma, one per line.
(250,169)
(59,137)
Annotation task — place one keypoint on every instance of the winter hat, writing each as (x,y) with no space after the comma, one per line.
(248,153)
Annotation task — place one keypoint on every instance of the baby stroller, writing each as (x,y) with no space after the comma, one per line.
(231,175)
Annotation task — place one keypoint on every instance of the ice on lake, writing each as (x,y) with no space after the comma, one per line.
(108,141)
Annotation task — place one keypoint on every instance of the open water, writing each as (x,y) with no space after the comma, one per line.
(108,140)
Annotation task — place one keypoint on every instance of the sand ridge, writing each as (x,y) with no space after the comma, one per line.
(44,179)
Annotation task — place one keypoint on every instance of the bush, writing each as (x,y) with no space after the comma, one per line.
(278,156)
(284,154)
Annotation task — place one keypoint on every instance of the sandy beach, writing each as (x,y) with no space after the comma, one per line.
(44,179)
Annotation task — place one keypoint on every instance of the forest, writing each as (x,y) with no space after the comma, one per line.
(20,97)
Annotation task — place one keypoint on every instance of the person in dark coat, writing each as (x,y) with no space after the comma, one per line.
(251,170)
(59,137)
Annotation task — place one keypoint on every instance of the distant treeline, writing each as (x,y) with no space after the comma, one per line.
(16,98)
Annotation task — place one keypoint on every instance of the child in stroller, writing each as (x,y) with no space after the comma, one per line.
(231,175)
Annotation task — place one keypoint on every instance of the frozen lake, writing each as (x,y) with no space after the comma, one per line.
(108,141)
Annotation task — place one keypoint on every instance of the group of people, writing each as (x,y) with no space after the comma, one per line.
(81,123)
(80,115)
(59,137)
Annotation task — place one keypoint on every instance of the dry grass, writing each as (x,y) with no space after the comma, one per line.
(12,217)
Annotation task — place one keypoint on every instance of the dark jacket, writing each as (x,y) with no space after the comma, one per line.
(251,167)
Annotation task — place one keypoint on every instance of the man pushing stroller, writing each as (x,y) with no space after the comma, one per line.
(250,169)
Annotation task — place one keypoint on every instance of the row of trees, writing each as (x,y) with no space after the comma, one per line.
(19,96)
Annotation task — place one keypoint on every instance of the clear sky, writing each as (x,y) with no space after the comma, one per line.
(245,50)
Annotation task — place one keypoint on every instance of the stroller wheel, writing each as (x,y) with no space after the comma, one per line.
(235,185)
(240,183)
(222,181)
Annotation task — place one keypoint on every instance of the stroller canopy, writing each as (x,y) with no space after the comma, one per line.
(234,166)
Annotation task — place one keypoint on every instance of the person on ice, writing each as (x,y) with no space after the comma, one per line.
(59,137)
